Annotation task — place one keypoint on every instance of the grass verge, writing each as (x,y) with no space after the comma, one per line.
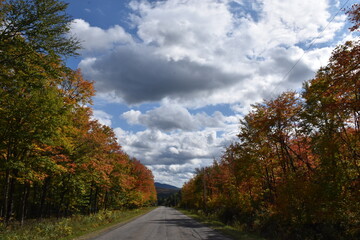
(230,231)
(79,227)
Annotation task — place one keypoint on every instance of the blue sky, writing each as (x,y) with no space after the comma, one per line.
(173,77)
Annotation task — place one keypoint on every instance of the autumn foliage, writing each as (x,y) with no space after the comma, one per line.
(55,160)
(294,172)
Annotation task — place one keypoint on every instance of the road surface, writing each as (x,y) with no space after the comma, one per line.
(163,223)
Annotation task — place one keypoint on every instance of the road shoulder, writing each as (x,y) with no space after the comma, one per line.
(228,231)
(110,227)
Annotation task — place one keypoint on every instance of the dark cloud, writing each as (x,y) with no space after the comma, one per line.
(138,75)
(294,71)
(291,71)
(300,73)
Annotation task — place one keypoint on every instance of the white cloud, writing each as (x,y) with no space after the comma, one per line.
(183,172)
(95,39)
(317,58)
(103,117)
(181,30)
(194,53)
(196,58)
(132,116)
(170,117)
(154,147)
(173,153)
(165,118)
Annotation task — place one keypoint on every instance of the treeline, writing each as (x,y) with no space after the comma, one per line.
(54,159)
(294,172)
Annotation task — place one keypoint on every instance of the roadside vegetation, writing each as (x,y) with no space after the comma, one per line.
(56,161)
(86,226)
(294,172)
(234,231)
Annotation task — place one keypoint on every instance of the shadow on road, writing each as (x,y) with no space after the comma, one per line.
(187,223)
(196,229)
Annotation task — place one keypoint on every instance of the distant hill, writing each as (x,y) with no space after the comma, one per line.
(165,192)
(166,186)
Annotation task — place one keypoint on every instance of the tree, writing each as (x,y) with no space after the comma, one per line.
(354,16)
(31,111)
(41,26)
(54,159)
(32,39)
(294,172)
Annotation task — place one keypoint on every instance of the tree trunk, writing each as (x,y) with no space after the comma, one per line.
(34,201)
(43,196)
(10,204)
(95,200)
(5,194)
(24,203)
(106,198)
(90,198)
(204,192)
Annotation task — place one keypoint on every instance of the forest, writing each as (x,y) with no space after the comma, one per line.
(294,172)
(55,159)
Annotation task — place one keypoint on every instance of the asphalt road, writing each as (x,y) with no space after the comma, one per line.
(163,223)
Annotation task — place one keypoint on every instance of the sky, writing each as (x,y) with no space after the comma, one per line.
(174,77)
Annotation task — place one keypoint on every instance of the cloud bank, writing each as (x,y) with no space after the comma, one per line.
(231,52)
